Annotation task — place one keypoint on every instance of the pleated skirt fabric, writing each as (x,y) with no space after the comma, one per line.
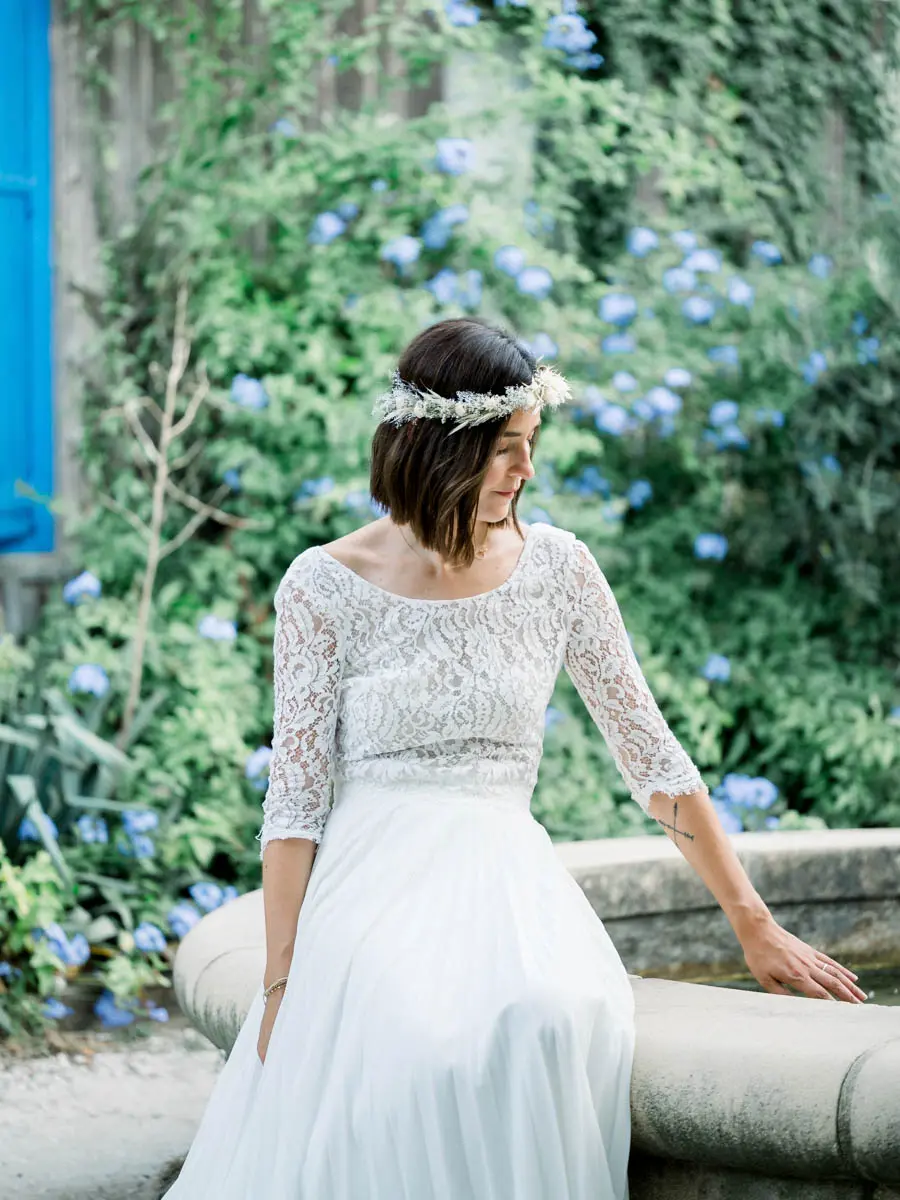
(457,1024)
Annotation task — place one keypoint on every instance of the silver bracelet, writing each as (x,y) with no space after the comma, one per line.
(273,987)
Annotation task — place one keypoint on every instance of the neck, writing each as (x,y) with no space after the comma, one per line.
(481,536)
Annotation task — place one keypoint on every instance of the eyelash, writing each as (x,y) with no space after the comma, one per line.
(531,442)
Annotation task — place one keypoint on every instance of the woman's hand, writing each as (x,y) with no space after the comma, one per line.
(778,960)
(270,1012)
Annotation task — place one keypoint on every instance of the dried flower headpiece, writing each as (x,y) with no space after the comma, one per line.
(405,403)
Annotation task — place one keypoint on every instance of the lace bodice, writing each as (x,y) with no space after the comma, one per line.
(376,686)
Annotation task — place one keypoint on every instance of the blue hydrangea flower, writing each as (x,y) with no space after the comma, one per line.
(613,419)
(769,416)
(232,477)
(73,952)
(217,629)
(257,766)
(283,126)
(859,324)
(182,917)
(589,482)
(82,586)
(740,292)
(821,266)
(455,155)
(585,61)
(831,464)
(402,251)
(28,830)
(443,286)
(552,717)
(678,377)
(814,366)
(157,1012)
(679,279)
(437,230)
(459,12)
(617,308)
(140,820)
(641,241)
(510,260)
(730,820)
(685,240)
(618,343)
(746,791)
(893,715)
(229,893)
(710,545)
(724,355)
(717,669)
(767,253)
(149,937)
(706,260)
(207,895)
(379,185)
(535,281)
(698,310)
(723,412)
(92,829)
(663,401)
(315,487)
(326,227)
(8,971)
(90,678)
(541,345)
(139,846)
(247,392)
(643,409)
(568,32)
(593,398)
(867,350)
(110,1013)
(54,1009)
(639,492)
(624,381)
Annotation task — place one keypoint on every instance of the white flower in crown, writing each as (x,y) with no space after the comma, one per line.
(404,402)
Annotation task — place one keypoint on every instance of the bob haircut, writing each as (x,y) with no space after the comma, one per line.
(424,477)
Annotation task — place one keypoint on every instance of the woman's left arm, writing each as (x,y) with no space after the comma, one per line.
(668,787)
(775,957)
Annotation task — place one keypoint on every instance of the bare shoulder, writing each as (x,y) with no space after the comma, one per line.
(361,547)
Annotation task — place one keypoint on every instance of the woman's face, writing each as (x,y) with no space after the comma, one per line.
(511,466)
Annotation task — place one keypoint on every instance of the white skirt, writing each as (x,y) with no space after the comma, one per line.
(457,1023)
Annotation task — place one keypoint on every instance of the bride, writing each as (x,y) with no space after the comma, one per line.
(443,1016)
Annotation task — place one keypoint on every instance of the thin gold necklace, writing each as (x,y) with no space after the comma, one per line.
(480,553)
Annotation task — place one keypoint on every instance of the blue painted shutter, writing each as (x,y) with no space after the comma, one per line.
(26,426)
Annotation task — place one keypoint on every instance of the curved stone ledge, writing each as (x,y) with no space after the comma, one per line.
(754,1086)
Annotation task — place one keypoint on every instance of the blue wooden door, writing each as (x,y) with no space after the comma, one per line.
(26,426)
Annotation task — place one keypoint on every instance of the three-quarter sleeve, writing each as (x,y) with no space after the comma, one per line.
(308,661)
(602,665)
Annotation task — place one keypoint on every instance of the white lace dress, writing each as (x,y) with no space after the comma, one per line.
(457,1024)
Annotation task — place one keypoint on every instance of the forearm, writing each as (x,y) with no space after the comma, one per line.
(286,867)
(693,825)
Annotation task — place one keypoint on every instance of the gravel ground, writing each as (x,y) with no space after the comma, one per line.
(101,1116)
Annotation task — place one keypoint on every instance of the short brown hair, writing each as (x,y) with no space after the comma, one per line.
(421,475)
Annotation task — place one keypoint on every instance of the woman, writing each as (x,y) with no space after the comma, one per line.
(444,1015)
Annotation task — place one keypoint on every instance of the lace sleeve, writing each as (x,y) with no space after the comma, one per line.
(602,665)
(307,674)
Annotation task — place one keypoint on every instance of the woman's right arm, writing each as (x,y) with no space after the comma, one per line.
(308,654)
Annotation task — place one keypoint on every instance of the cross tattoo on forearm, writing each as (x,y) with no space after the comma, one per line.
(674,827)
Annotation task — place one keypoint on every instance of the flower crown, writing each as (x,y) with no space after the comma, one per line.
(404,402)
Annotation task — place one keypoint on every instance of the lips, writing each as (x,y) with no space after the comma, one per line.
(507,494)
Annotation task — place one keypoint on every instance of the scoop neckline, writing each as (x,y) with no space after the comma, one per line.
(520,562)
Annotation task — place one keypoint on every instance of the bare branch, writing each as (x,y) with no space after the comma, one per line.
(142,435)
(185,460)
(133,520)
(200,393)
(214,514)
